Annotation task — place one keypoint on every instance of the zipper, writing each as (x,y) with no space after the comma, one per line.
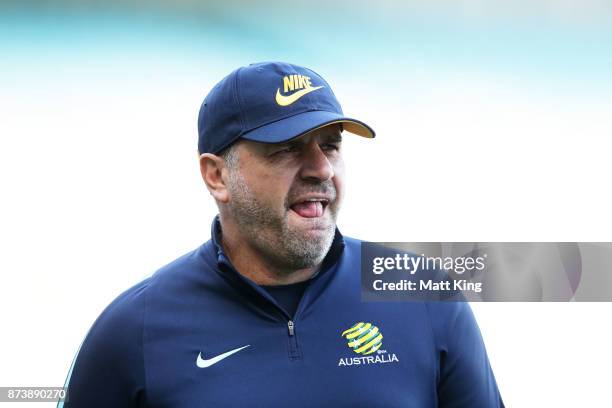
(291,327)
(294,350)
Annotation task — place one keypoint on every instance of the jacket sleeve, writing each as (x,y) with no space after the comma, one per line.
(108,370)
(465,377)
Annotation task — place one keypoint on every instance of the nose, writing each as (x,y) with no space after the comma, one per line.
(315,164)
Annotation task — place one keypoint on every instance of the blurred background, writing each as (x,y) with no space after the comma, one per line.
(493,119)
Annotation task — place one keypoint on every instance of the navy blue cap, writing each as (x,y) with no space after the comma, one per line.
(269,102)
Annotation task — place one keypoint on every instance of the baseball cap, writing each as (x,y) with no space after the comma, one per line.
(269,102)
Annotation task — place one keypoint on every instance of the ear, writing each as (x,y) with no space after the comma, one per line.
(214,174)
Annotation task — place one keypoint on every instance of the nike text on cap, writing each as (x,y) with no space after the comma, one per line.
(269,102)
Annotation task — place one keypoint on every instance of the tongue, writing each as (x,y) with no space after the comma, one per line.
(309,209)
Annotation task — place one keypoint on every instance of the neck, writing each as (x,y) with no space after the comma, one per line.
(251,263)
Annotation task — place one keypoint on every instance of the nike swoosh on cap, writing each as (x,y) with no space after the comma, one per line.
(204,363)
(283,100)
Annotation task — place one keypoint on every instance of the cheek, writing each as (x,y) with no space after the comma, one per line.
(339,178)
(270,188)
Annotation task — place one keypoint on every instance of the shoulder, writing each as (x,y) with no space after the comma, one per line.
(123,319)
(109,369)
(452,322)
(119,327)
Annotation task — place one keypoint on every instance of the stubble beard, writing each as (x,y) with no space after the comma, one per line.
(269,232)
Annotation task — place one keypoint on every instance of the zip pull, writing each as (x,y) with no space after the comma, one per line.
(290,326)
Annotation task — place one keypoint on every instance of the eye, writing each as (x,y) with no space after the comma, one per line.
(330,146)
(286,149)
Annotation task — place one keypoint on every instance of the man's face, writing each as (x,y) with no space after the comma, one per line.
(285,197)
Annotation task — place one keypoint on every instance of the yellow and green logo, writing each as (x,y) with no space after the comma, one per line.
(363,338)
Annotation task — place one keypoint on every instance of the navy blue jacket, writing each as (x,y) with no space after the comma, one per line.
(199,334)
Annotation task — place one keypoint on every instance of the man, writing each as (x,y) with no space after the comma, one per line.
(268,312)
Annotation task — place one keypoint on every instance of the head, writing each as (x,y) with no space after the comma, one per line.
(271,156)
(282,199)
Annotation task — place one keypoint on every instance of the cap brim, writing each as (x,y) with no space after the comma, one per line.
(297,125)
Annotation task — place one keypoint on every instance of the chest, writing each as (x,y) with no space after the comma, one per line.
(357,355)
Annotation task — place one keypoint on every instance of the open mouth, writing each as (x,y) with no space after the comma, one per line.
(310,208)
